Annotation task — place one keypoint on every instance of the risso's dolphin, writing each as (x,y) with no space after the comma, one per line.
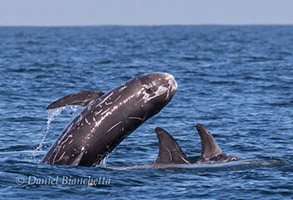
(108,118)
(210,150)
(169,150)
(171,153)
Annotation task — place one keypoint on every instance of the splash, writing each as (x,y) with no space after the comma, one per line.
(103,162)
(51,115)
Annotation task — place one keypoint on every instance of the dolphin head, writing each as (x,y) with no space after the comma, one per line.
(157,89)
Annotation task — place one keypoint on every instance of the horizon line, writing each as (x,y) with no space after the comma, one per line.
(150,25)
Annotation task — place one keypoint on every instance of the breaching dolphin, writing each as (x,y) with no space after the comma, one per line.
(108,118)
(171,153)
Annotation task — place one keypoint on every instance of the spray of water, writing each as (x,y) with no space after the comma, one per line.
(51,115)
(103,162)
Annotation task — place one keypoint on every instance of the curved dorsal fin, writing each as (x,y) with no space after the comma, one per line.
(169,150)
(83,98)
(209,147)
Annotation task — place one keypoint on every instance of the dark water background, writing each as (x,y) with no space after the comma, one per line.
(236,80)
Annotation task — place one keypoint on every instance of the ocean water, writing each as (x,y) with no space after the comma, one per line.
(236,80)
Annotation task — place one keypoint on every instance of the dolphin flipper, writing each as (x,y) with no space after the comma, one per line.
(210,150)
(169,150)
(83,98)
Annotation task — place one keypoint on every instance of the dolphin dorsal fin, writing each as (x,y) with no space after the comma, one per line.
(169,150)
(83,98)
(209,147)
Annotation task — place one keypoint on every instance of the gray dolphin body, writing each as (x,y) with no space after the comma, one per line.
(171,153)
(210,150)
(108,118)
(169,150)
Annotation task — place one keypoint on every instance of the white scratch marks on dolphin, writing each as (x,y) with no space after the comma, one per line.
(135,118)
(114,126)
(98,112)
(160,91)
(105,111)
(61,156)
(57,149)
(86,120)
(170,155)
(117,98)
(63,142)
(65,134)
(104,100)
(122,88)
(107,104)
(183,159)
(79,119)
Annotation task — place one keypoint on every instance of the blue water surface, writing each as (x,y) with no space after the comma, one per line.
(236,80)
